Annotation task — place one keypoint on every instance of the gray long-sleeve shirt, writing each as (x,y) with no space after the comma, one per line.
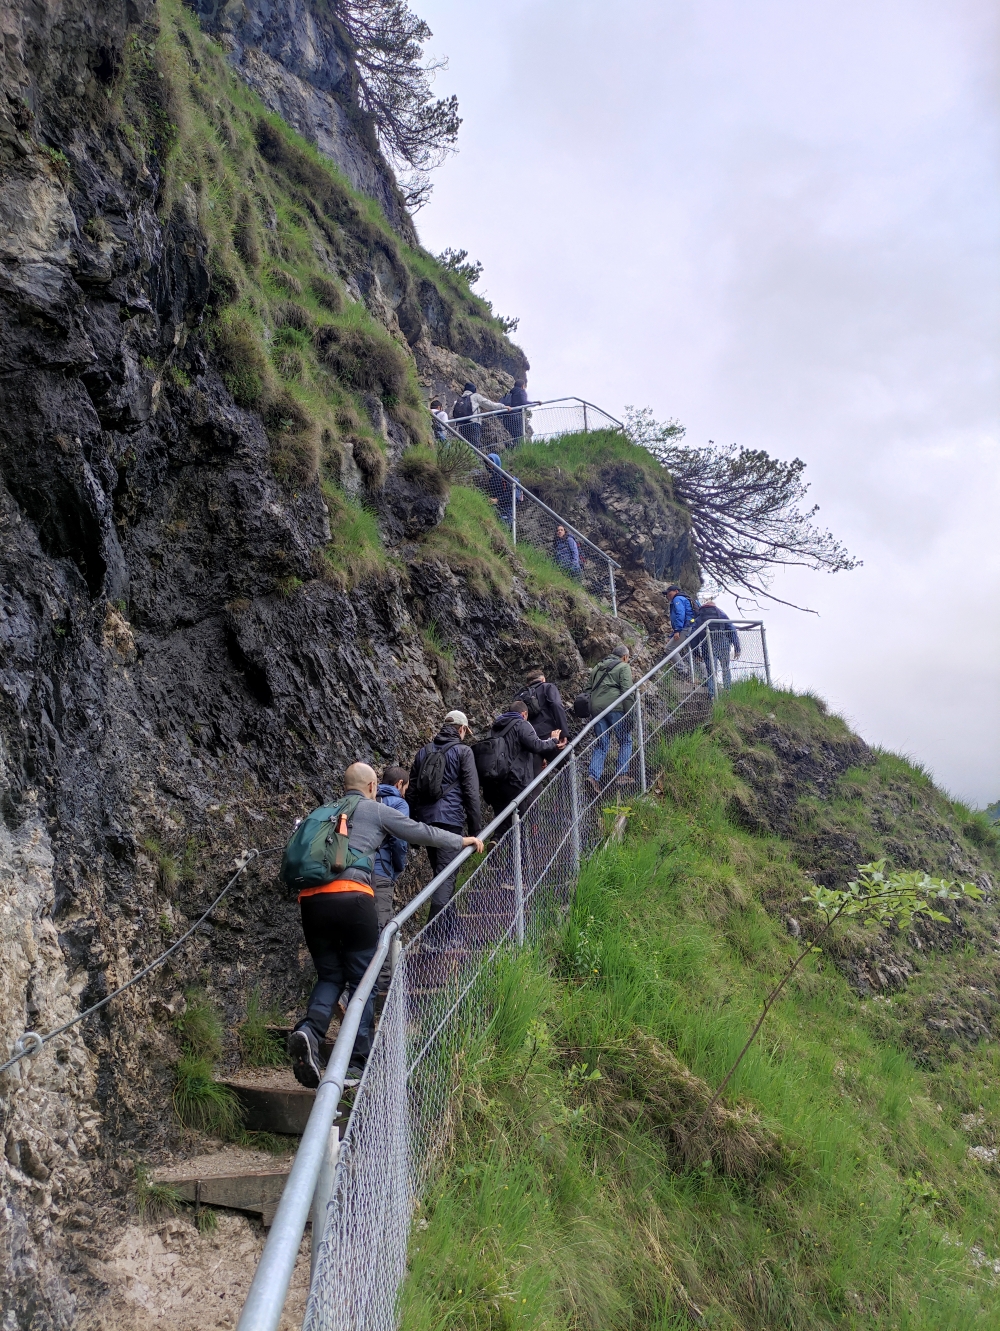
(373,822)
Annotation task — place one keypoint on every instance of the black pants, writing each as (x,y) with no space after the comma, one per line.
(341,933)
(440,859)
(383,911)
(500,793)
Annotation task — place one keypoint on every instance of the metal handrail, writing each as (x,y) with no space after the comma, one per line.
(527,406)
(266,1298)
(531,495)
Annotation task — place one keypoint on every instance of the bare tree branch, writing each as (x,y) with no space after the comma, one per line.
(747,513)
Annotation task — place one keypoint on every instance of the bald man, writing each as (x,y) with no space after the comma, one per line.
(340,923)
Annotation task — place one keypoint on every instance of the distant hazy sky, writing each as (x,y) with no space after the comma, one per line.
(779,223)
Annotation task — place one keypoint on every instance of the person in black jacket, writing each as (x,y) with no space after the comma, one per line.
(523,744)
(458,802)
(725,641)
(546,711)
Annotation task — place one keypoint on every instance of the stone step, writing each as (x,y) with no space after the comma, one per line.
(235,1178)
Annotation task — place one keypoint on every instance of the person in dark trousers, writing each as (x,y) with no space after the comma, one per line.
(468,408)
(391,858)
(502,491)
(523,745)
(681,622)
(566,553)
(546,711)
(452,803)
(341,926)
(725,642)
(609,679)
(514,420)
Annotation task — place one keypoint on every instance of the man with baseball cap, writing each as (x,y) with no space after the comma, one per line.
(444,793)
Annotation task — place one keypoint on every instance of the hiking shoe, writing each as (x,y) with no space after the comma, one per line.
(303,1050)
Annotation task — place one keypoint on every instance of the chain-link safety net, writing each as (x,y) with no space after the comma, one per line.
(438,999)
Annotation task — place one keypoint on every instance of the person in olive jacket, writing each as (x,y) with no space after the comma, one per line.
(609,679)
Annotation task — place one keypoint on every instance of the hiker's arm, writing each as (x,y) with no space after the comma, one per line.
(559,709)
(397,824)
(530,741)
(469,778)
(397,853)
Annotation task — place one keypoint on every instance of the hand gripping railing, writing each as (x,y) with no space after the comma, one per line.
(537,523)
(363,1198)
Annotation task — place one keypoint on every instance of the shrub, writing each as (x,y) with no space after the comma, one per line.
(371,461)
(242,362)
(328,294)
(289,315)
(286,281)
(203,1103)
(364,360)
(294,440)
(245,235)
(200,1027)
(419,469)
(260,1047)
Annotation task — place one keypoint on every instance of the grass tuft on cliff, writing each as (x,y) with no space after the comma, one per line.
(856,1186)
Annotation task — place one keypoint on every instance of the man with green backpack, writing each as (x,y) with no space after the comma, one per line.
(329,864)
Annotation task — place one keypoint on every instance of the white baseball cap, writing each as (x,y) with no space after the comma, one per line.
(457,719)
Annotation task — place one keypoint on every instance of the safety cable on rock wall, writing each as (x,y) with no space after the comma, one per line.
(31,1043)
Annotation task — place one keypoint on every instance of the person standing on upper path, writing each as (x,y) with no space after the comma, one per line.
(505,759)
(390,861)
(609,679)
(681,615)
(444,793)
(719,642)
(440,420)
(514,420)
(330,863)
(467,407)
(546,712)
(566,553)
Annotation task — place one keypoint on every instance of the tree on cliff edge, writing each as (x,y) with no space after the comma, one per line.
(747,509)
(394,88)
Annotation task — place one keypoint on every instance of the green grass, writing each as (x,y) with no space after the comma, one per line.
(260,1047)
(152,1199)
(203,1103)
(471,540)
(841,1195)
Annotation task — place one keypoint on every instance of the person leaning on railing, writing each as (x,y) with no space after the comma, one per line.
(724,641)
(566,553)
(609,679)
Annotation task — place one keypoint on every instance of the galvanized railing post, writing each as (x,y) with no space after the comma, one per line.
(710,654)
(322,1195)
(586,427)
(395,951)
(614,598)
(640,734)
(518,879)
(513,512)
(767,661)
(574,812)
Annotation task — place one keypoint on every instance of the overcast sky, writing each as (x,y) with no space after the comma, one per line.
(778,223)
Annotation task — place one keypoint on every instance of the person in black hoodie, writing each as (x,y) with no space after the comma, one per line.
(447,797)
(546,711)
(522,745)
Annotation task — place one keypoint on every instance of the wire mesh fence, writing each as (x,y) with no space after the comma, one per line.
(529,519)
(438,1001)
(494,432)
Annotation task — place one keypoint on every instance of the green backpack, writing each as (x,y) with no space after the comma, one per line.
(318,852)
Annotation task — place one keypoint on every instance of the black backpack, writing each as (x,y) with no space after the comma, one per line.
(494,756)
(463,407)
(532,696)
(428,787)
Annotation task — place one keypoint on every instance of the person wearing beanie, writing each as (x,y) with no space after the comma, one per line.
(468,408)
(444,793)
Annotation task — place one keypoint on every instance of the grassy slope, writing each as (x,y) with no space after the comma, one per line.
(571,1202)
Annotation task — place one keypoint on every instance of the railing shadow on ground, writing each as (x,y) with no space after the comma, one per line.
(362,1192)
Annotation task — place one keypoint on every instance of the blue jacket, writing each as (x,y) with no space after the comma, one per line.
(566,551)
(391,858)
(681,614)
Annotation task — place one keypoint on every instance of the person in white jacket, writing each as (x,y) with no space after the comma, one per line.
(470,405)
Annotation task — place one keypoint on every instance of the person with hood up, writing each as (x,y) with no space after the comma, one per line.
(609,679)
(546,711)
(725,641)
(514,420)
(444,793)
(503,491)
(467,407)
(566,553)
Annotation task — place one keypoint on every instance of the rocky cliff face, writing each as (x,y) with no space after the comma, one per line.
(229,561)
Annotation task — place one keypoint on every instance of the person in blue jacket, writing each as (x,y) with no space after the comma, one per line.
(391,858)
(681,621)
(502,491)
